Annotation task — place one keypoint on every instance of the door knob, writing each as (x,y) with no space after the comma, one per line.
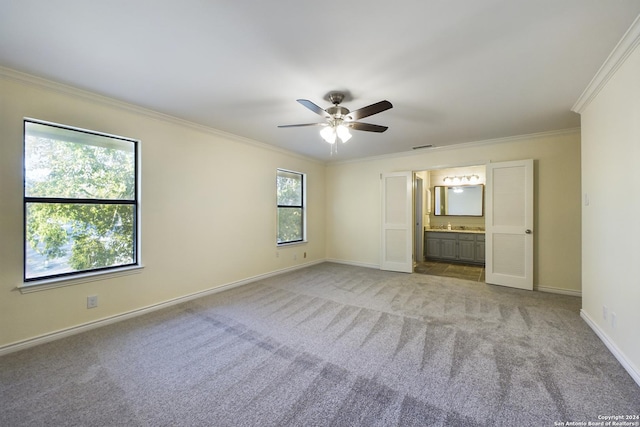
(527,231)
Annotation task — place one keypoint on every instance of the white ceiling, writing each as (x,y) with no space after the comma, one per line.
(456,71)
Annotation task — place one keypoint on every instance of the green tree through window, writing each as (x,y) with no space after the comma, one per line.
(80,201)
(290,194)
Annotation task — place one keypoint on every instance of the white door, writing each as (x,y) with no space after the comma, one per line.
(417,219)
(509,224)
(397,222)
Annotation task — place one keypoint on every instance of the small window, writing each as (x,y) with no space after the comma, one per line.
(291,212)
(80,201)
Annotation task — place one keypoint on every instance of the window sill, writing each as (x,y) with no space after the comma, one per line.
(302,242)
(43,285)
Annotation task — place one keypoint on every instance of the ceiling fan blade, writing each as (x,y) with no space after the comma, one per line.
(369,110)
(301,125)
(313,107)
(368,127)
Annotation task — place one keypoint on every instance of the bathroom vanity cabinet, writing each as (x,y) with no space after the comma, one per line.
(455,246)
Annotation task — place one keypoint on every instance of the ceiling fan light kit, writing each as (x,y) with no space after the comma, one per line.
(339,119)
(334,131)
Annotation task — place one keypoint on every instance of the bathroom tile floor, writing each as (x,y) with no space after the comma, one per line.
(459,271)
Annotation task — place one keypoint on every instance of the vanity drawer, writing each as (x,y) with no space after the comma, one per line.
(441,235)
(480,237)
(466,236)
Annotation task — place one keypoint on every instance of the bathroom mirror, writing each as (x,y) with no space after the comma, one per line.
(459,200)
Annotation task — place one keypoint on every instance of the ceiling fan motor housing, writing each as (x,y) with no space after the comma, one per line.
(337,111)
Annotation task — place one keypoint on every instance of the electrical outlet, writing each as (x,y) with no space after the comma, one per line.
(92,301)
(277,254)
(605,312)
(295,257)
(614,320)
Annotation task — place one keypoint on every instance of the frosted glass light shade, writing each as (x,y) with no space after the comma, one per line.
(343,133)
(328,133)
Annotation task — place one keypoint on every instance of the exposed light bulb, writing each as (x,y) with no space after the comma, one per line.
(328,133)
(456,180)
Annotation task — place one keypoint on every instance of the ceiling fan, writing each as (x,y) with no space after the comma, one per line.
(339,119)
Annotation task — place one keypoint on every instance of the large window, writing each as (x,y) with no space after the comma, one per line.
(291,213)
(80,201)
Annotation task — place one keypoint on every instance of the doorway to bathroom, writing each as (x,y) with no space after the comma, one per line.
(507,243)
(449,222)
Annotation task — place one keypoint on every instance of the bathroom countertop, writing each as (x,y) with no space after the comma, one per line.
(455,230)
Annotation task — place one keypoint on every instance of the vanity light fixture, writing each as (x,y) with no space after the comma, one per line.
(462,179)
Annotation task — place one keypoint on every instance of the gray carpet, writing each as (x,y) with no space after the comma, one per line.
(328,345)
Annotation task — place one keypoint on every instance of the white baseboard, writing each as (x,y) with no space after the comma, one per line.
(354,263)
(62,333)
(626,364)
(558,291)
(537,288)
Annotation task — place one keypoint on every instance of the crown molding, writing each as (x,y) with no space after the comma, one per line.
(471,144)
(31,80)
(614,61)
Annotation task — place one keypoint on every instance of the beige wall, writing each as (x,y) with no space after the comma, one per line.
(208,216)
(353,189)
(611,221)
(208,213)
